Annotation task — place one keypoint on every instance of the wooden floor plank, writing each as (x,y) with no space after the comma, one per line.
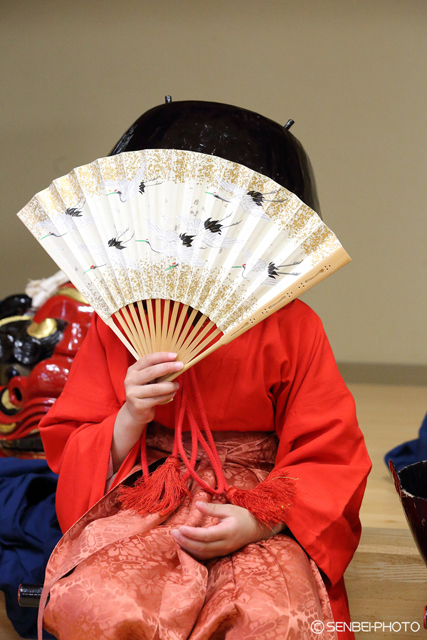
(387,583)
(388,415)
(387,579)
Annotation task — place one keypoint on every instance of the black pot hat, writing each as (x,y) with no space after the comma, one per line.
(229,132)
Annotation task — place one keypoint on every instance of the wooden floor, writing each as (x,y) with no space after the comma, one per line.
(387,580)
(388,415)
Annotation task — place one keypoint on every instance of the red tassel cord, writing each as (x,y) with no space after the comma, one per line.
(269,501)
(211,453)
(144,463)
(162,491)
(190,464)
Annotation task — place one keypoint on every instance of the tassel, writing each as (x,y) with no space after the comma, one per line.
(268,502)
(162,492)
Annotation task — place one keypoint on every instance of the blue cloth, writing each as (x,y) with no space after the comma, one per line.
(29,531)
(411,451)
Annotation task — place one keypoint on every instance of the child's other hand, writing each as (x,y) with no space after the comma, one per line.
(236,528)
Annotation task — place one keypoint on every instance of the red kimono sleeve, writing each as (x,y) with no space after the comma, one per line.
(77,431)
(322,447)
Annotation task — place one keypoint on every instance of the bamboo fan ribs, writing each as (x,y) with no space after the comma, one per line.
(165,325)
(178,250)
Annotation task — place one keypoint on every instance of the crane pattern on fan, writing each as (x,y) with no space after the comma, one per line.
(205,242)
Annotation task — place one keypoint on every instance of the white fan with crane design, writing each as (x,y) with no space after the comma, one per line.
(211,249)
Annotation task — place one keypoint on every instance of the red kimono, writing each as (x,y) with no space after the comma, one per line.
(280,376)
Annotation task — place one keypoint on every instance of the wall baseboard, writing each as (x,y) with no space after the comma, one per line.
(401,374)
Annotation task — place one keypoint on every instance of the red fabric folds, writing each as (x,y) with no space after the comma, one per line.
(281,375)
(114,566)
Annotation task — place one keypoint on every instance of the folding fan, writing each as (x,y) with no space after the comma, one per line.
(178,250)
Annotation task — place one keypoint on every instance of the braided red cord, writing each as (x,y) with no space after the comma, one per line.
(144,463)
(197,436)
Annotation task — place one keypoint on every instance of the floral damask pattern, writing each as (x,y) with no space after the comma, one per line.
(119,576)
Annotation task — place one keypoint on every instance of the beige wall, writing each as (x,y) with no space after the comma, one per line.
(352,74)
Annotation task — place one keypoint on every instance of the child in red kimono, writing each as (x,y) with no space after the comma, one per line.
(277,407)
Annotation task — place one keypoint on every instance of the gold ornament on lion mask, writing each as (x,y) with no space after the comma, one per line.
(42,329)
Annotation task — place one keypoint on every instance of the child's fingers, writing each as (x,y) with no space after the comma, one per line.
(215,510)
(162,399)
(153,366)
(149,373)
(200,549)
(203,534)
(156,389)
(154,358)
